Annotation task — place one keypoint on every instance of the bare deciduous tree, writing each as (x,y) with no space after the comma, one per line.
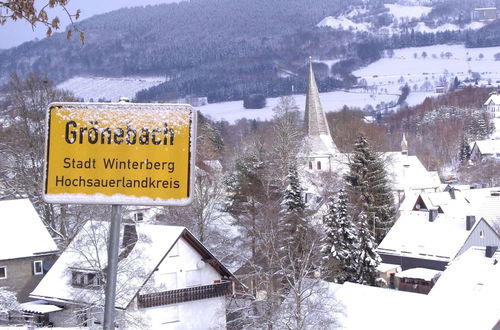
(39,12)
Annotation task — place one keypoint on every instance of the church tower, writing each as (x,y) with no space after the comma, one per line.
(321,148)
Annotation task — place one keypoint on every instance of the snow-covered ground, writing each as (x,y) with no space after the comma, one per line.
(400,11)
(343,23)
(424,68)
(355,20)
(332,101)
(110,89)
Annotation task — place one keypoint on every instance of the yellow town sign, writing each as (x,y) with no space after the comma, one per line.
(119,153)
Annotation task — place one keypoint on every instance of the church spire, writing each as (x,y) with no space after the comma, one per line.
(315,119)
(404,145)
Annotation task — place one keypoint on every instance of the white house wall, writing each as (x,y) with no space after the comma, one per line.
(183,268)
(199,314)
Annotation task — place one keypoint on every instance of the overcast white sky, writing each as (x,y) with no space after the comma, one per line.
(15,33)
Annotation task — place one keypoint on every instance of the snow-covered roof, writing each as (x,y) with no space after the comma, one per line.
(22,232)
(413,235)
(470,287)
(407,172)
(367,307)
(385,267)
(481,203)
(88,251)
(39,307)
(488,147)
(495,98)
(419,273)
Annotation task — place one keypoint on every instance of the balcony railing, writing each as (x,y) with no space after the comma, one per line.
(183,295)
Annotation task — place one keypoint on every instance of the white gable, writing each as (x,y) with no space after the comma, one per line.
(22,232)
(88,251)
(494,98)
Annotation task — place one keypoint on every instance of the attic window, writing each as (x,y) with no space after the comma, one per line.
(3,272)
(481,234)
(88,280)
(139,216)
(38,267)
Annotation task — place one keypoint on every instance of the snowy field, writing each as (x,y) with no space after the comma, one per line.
(400,11)
(332,101)
(110,89)
(424,68)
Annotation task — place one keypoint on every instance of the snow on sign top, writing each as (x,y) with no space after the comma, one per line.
(119,153)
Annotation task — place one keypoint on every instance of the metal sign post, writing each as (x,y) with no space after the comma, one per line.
(113,247)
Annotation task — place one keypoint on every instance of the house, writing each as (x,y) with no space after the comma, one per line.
(484,14)
(418,280)
(455,201)
(165,278)
(353,306)
(431,240)
(408,174)
(465,297)
(492,105)
(484,149)
(27,250)
(470,288)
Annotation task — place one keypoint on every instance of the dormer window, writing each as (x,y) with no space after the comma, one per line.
(86,279)
(139,216)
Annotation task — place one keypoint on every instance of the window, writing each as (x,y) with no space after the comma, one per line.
(481,234)
(38,267)
(86,280)
(319,165)
(3,272)
(139,216)
(310,165)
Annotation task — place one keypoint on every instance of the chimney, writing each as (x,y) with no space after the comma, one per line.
(452,193)
(470,220)
(129,240)
(433,213)
(490,251)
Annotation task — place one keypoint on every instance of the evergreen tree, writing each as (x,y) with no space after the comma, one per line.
(369,186)
(368,257)
(464,153)
(341,243)
(294,226)
(245,190)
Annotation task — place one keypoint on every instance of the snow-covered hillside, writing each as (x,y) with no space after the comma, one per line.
(109,89)
(356,20)
(424,68)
